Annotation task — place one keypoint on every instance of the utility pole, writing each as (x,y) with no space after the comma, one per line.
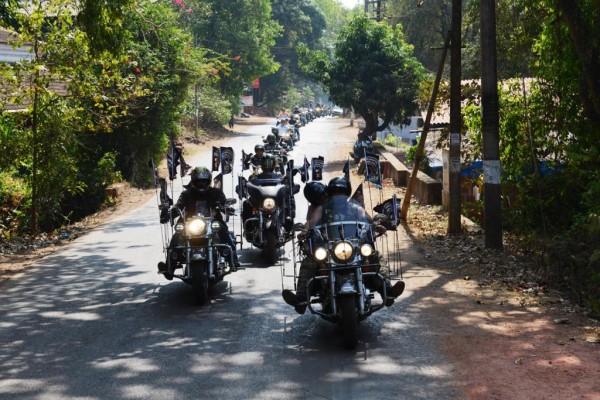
(454,209)
(490,129)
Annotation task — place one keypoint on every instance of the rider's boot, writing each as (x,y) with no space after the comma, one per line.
(298,301)
(164,269)
(393,292)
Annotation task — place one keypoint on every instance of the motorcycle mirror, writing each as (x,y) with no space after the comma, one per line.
(295,171)
(274,130)
(230,201)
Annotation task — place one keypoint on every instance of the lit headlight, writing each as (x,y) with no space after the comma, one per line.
(366,250)
(320,254)
(343,251)
(196,226)
(215,225)
(179,227)
(268,203)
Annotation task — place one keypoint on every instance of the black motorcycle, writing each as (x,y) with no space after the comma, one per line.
(359,149)
(269,215)
(200,249)
(343,243)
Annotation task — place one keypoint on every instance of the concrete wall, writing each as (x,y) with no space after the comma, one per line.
(427,189)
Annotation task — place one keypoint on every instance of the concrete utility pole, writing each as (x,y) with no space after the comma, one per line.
(490,129)
(454,209)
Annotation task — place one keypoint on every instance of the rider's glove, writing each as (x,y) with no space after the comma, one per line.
(380,229)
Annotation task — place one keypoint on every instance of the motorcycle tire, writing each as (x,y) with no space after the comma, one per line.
(200,282)
(349,320)
(271,251)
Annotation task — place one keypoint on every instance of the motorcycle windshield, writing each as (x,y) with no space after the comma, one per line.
(343,218)
(202,208)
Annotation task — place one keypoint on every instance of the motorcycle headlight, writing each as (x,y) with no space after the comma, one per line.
(269,203)
(343,251)
(366,250)
(196,226)
(320,254)
(215,226)
(179,227)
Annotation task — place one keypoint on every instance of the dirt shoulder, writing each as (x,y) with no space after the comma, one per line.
(509,335)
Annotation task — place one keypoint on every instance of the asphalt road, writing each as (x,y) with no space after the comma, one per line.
(95,321)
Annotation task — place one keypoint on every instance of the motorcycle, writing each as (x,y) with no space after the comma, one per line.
(270,214)
(343,243)
(358,151)
(285,138)
(200,249)
(296,125)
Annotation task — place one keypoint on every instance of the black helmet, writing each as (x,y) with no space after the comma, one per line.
(259,147)
(271,138)
(268,163)
(201,178)
(339,185)
(315,192)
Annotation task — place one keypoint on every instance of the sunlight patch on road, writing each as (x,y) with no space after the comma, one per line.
(77,316)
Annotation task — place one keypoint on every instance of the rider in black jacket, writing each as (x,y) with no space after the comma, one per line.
(316,194)
(199,194)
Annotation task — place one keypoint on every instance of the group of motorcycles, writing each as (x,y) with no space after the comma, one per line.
(344,246)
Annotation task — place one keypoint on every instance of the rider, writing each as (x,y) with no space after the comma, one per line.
(338,186)
(282,114)
(271,143)
(259,153)
(268,167)
(283,127)
(199,190)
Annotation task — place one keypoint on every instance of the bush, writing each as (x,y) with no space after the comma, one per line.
(15,200)
(411,156)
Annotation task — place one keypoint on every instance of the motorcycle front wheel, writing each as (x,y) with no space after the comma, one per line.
(349,320)
(271,247)
(200,282)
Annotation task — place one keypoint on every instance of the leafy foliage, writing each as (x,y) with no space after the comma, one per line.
(303,23)
(372,71)
(241,34)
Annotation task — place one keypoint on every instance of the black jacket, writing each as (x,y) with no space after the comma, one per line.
(191,200)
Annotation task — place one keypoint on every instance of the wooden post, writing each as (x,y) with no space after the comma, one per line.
(421,146)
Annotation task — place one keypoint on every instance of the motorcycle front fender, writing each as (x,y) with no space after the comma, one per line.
(347,285)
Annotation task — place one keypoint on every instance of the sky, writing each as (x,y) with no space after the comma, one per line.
(351,3)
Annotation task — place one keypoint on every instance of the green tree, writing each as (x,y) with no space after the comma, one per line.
(302,22)
(89,109)
(240,33)
(372,71)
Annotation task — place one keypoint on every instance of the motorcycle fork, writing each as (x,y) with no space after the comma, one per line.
(360,294)
(261,223)
(333,291)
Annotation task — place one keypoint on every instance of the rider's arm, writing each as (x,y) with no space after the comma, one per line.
(313,216)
